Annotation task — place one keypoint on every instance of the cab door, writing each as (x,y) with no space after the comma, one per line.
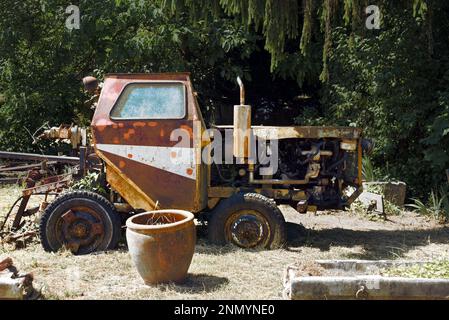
(145,136)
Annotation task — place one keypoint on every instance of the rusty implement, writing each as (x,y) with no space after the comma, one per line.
(38,157)
(44,186)
(50,184)
(75,135)
(44,177)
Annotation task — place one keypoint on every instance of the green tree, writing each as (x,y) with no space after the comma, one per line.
(42,62)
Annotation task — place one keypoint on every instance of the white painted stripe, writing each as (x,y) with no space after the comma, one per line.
(180,161)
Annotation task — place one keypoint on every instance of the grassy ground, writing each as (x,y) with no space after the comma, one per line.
(435,269)
(231,273)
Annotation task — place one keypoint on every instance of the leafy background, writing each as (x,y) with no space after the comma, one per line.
(305,62)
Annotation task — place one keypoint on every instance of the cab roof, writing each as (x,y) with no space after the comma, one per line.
(179,76)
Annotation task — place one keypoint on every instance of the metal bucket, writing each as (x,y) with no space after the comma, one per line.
(161,244)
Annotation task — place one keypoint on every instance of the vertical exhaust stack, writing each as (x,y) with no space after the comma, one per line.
(242,127)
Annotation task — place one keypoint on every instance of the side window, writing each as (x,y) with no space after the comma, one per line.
(151,101)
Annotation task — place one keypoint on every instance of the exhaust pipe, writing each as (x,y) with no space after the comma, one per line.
(242,126)
(242,91)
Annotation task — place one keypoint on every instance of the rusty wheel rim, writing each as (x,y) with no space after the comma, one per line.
(247,229)
(80,229)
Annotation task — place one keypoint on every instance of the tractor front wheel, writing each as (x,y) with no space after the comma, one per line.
(247,220)
(81,221)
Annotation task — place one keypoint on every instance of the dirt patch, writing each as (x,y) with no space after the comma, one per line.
(308,269)
(403,236)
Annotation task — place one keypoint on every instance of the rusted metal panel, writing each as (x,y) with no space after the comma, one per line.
(169,189)
(128,190)
(277,194)
(140,152)
(174,76)
(306,132)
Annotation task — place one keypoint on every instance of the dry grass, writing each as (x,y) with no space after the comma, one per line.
(215,273)
(230,273)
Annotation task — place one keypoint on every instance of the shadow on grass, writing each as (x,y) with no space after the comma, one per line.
(197,283)
(377,244)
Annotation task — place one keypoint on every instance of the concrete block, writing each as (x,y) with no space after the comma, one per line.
(367,287)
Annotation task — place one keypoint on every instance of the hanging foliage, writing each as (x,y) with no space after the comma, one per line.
(281,21)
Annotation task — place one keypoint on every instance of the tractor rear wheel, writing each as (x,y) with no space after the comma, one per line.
(247,220)
(81,221)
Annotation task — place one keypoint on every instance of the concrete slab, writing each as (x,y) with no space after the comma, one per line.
(367,287)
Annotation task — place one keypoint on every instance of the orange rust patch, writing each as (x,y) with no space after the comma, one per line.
(130,155)
(115,126)
(122,164)
(188,129)
(116,140)
(152,124)
(121,125)
(128,134)
(162,133)
(101,128)
(189,171)
(139,124)
(173,154)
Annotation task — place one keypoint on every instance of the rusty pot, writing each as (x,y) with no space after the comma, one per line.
(161,244)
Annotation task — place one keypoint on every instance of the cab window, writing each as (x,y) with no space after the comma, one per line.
(151,101)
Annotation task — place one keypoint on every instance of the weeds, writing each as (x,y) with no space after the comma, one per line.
(438,269)
(368,170)
(93,181)
(389,207)
(436,207)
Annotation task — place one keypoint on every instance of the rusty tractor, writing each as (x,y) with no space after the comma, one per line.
(149,138)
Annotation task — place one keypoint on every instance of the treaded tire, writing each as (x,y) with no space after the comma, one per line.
(103,209)
(265,207)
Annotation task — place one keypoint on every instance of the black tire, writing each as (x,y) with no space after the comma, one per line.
(82,221)
(248,220)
